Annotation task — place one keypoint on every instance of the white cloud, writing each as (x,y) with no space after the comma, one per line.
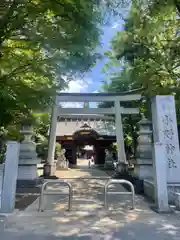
(115,25)
(76,86)
(71,105)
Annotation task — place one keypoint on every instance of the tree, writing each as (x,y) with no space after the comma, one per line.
(42,45)
(121,82)
(38,47)
(147,51)
(69,28)
(149,43)
(43,41)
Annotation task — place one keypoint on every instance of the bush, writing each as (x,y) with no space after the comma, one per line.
(57,150)
(2,152)
(42,149)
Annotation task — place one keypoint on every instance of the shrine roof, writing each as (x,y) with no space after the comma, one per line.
(101,127)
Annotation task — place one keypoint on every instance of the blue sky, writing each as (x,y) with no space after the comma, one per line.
(92,80)
(96,74)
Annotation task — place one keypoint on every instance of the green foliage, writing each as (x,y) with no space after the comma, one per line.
(41,128)
(14,133)
(42,45)
(42,149)
(11,133)
(42,125)
(114,146)
(121,82)
(145,55)
(149,43)
(2,153)
(147,50)
(3,133)
(41,135)
(57,150)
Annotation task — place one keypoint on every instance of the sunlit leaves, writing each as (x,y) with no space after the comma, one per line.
(43,43)
(149,44)
(148,53)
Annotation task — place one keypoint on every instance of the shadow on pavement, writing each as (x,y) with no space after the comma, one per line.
(88,219)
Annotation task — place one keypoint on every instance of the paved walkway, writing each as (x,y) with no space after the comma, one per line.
(88,219)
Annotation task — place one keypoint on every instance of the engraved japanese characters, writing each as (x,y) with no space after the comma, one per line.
(165,131)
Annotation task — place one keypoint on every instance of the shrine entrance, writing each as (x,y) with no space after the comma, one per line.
(85,142)
(79,139)
(106,132)
(90,143)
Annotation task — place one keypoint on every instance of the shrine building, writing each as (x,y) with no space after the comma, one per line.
(77,131)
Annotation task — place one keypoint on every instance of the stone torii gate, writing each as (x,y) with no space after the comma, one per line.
(117,111)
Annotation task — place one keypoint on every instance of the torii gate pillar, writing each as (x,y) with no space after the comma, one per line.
(52,138)
(119,134)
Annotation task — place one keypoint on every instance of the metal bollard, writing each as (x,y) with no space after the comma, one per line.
(119,181)
(43,192)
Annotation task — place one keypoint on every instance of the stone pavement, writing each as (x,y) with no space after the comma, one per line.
(88,219)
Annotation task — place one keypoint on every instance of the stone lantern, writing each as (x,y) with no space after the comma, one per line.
(27,168)
(144,166)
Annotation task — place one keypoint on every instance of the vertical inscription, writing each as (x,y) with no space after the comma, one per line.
(165,132)
(168,123)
